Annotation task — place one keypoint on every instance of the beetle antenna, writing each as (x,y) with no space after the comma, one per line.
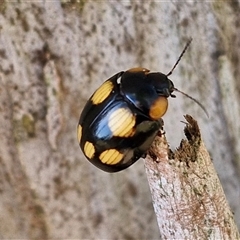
(196,101)
(184,50)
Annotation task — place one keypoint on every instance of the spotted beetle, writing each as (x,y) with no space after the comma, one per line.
(122,117)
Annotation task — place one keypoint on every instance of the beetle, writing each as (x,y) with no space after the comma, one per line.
(121,119)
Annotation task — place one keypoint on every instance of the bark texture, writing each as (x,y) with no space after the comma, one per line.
(53,55)
(188,198)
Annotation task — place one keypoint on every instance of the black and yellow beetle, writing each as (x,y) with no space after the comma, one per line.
(121,119)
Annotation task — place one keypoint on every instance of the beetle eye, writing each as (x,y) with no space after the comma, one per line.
(164,92)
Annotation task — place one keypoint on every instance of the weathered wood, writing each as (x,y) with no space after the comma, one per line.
(188,198)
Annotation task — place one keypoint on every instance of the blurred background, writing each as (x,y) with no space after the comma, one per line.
(53,55)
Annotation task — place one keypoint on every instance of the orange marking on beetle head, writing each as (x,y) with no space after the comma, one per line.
(158,108)
(138,69)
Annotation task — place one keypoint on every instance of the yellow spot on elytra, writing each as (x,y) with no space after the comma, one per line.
(89,150)
(138,69)
(121,123)
(102,92)
(158,108)
(111,156)
(79,133)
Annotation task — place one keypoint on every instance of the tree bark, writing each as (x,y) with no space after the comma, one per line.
(53,56)
(188,198)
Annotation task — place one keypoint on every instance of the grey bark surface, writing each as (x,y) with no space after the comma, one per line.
(53,56)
